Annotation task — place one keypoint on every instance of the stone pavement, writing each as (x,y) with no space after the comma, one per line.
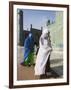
(27,73)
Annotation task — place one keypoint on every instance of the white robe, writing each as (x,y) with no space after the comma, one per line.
(42,56)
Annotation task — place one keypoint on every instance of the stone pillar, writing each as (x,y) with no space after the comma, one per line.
(21,32)
(30,27)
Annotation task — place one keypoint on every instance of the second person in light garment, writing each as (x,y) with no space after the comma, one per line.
(43,53)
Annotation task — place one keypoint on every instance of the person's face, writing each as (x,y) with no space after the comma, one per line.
(46,36)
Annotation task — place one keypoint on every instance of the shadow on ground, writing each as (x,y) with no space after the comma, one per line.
(27,73)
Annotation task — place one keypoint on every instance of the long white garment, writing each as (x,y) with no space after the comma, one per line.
(43,54)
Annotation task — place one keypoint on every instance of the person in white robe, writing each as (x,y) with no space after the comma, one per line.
(44,52)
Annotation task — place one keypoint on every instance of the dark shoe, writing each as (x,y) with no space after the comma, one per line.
(33,64)
(44,76)
(29,64)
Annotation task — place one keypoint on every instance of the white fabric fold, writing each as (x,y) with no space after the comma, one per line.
(43,54)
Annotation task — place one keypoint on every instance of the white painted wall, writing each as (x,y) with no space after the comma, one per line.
(4,43)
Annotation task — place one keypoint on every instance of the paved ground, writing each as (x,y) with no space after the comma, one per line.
(27,73)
